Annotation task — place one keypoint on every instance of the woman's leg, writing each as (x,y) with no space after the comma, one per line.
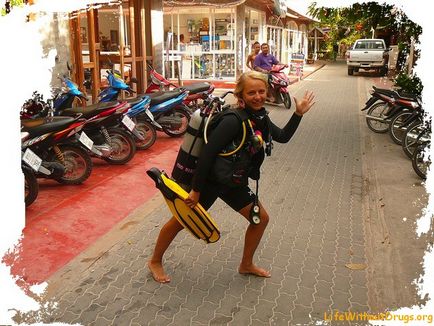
(252,238)
(165,238)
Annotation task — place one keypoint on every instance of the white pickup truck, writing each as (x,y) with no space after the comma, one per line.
(368,54)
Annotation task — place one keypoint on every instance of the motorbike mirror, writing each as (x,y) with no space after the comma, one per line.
(228,92)
(111,64)
(134,80)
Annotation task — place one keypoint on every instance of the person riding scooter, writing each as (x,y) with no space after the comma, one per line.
(264,63)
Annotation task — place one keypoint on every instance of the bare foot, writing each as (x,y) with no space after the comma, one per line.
(158,273)
(254,270)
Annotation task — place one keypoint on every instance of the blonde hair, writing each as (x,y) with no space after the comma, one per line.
(241,82)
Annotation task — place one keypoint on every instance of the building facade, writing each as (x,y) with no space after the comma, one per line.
(184,40)
(212,41)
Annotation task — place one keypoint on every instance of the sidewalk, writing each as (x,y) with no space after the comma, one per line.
(308,69)
(342,212)
(312,190)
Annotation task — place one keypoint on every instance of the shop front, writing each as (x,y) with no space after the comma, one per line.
(212,42)
(103,36)
(200,42)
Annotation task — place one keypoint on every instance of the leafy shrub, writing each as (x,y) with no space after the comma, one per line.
(409,84)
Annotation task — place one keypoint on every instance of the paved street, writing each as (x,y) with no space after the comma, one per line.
(336,194)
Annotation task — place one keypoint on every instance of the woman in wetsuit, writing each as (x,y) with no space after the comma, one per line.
(251,91)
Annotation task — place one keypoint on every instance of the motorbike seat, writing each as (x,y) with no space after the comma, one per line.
(407,96)
(36,127)
(387,92)
(161,97)
(90,110)
(197,87)
(134,101)
(395,93)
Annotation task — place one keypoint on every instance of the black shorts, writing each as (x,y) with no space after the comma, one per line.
(236,198)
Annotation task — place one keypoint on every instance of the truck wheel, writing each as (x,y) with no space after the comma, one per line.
(350,71)
(383,71)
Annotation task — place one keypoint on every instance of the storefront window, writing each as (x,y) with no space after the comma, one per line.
(303,34)
(274,39)
(203,42)
(253,29)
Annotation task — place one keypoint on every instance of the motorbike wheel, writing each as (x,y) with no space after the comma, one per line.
(78,164)
(378,110)
(123,147)
(410,140)
(31,186)
(396,130)
(420,165)
(278,98)
(286,100)
(147,130)
(184,116)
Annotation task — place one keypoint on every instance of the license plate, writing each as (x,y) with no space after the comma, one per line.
(128,123)
(85,140)
(149,114)
(32,160)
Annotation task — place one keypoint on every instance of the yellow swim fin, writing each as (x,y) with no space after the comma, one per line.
(196,220)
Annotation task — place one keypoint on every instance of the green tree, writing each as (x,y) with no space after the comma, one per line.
(11,4)
(358,21)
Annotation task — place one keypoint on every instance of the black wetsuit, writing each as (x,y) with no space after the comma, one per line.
(228,129)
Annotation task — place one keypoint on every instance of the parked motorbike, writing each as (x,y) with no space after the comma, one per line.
(382,108)
(416,134)
(197,92)
(106,139)
(398,126)
(51,150)
(421,160)
(170,112)
(166,113)
(35,107)
(139,107)
(278,83)
(31,186)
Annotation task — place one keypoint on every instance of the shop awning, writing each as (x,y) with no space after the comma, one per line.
(291,15)
(213,3)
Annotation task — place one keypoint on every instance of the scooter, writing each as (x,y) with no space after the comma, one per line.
(106,139)
(278,82)
(139,106)
(197,92)
(167,112)
(50,149)
(384,105)
(31,186)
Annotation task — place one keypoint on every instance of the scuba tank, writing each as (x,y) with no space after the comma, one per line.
(190,149)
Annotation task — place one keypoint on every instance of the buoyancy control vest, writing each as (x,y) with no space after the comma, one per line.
(194,141)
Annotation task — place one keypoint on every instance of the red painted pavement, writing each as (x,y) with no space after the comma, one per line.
(65,220)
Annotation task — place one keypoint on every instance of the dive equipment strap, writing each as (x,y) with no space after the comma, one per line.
(255,210)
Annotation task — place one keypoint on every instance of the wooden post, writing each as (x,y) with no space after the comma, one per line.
(143,41)
(78,71)
(121,44)
(93,54)
(133,42)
